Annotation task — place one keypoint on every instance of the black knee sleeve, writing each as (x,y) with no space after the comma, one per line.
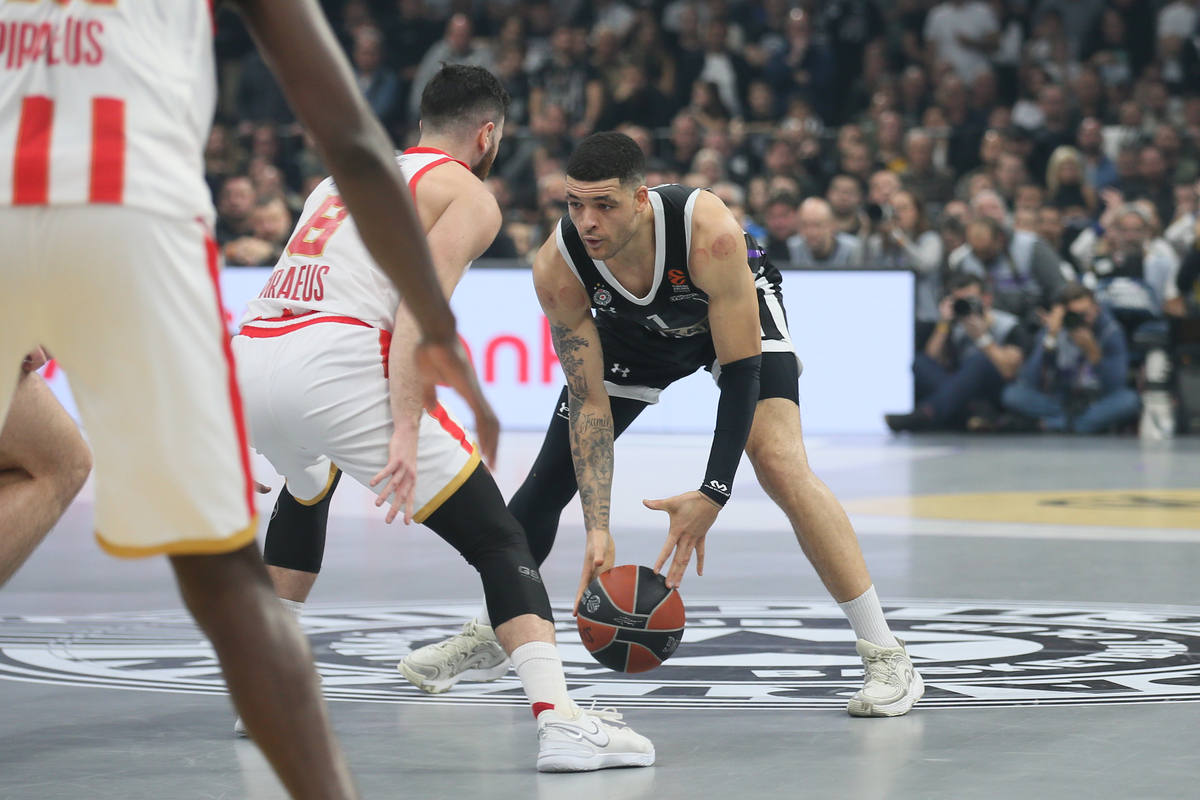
(296,532)
(476,523)
(550,485)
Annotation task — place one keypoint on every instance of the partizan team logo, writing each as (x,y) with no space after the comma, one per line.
(749,654)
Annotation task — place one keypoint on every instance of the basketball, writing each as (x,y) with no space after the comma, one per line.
(629,620)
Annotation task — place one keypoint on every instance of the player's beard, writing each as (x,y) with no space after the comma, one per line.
(484,166)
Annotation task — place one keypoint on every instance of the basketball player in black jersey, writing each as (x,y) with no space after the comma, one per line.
(643,287)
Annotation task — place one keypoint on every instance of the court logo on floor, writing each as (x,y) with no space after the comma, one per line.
(756,654)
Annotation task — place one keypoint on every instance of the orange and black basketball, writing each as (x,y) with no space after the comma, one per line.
(629,620)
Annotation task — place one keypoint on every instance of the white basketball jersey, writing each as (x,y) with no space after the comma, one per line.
(106,101)
(326,268)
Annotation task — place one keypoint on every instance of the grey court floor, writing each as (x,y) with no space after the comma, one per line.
(1056,620)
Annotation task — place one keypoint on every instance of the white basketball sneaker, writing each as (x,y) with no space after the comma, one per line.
(891,686)
(240,729)
(473,655)
(590,740)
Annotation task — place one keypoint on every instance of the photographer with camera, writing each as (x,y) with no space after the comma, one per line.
(1024,272)
(1074,380)
(904,240)
(973,353)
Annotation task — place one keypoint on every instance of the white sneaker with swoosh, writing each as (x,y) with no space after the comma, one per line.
(590,740)
(891,686)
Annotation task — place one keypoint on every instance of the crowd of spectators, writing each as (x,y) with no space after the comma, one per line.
(1035,163)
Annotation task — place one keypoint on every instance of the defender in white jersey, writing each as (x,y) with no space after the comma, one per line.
(108,262)
(316,349)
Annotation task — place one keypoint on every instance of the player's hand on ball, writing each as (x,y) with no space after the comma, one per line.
(599,556)
(446,363)
(692,514)
(400,473)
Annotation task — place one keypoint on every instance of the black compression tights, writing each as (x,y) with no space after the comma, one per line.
(550,485)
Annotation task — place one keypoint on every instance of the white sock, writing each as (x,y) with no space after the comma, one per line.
(482,618)
(866,617)
(293,608)
(540,670)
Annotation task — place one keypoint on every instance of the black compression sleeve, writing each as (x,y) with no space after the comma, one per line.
(735,414)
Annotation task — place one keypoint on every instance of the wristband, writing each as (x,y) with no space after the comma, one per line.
(739,382)
(943,327)
(985,341)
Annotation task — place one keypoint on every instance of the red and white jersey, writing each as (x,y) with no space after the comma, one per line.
(326,271)
(106,101)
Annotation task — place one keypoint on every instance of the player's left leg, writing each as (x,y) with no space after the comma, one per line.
(776,449)
(44,462)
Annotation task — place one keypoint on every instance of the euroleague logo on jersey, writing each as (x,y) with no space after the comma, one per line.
(745,654)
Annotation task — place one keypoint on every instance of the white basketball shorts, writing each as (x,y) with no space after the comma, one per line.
(317,399)
(128,302)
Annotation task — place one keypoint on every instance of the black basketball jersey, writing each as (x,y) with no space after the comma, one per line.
(674,307)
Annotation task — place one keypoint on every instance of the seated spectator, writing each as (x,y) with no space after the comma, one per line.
(1075,378)
(222,158)
(882,185)
(1066,182)
(458,46)
(1189,275)
(1029,195)
(271,223)
(1134,274)
(1153,183)
(1009,175)
(235,206)
(973,353)
(1022,269)
(903,239)
(636,100)
(1099,171)
(1025,219)
(845,197)
(378,83)
(781,224)
(819,245)
(1181,232)
(923,176)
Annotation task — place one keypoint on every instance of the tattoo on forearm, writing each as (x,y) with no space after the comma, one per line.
(591,434)
(592,454)
(568,346)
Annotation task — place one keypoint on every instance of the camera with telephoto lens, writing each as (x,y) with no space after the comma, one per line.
(966,306)
(877,213)
(1073,320)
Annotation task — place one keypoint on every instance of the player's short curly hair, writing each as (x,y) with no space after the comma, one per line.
(462,96)
(608,155)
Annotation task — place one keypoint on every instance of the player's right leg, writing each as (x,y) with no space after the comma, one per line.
(133,313)
(476,523)
(44,462)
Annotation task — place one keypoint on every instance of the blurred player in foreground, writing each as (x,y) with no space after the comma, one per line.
(109,263)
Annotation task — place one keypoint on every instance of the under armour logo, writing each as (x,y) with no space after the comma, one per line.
(717,486)
(622,371)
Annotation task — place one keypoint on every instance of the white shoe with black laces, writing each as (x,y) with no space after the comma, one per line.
(891,686)
(590,740)
(473,655)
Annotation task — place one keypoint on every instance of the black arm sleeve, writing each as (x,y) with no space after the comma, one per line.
(735,413)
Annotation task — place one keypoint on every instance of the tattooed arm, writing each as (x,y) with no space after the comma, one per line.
(565,303)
